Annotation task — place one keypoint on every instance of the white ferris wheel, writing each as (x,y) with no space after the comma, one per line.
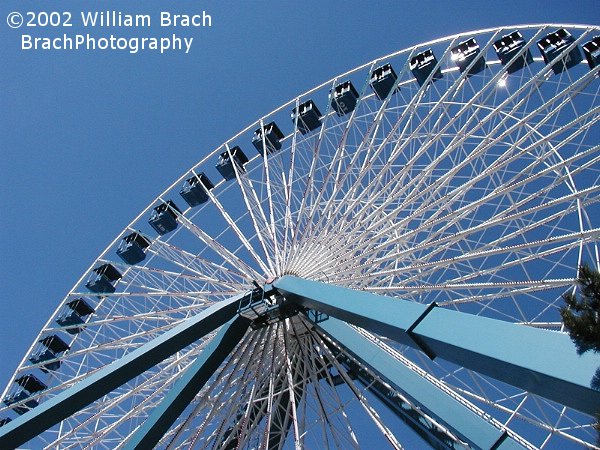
(460,175)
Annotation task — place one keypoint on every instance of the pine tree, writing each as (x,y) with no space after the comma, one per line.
(581,317)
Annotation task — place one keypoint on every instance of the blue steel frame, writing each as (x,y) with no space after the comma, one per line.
(110,377)
(542,362)
(186,388)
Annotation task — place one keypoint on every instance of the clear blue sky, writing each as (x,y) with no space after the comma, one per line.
(88,139)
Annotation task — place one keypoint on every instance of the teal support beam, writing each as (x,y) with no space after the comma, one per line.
(186,388)
(464,423)
(539,361)
(110,377)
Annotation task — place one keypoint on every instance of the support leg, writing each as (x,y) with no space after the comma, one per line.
(464,423)
(180,396)
(542,362)
(110,377)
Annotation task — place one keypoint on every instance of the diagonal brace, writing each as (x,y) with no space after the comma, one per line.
(539,361)
(194,378)
(110,377)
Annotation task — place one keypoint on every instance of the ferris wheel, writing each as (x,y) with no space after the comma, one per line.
(382,256)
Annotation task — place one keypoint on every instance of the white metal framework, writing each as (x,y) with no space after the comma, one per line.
(477,190)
